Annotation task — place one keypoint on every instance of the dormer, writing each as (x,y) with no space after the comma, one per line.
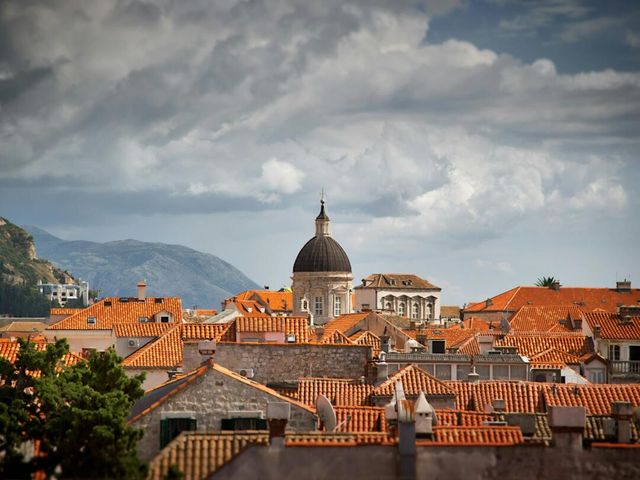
(163,317)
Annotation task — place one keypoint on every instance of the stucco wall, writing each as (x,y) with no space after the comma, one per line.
(451,463)
(212,397)
(286,362)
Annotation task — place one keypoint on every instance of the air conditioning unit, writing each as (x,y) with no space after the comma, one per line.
(247,372)
(133,342)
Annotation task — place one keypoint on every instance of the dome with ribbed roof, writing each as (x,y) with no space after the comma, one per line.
(322,253)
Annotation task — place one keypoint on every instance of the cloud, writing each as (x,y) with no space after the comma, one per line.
(500,266)
(632,38)
(259,104)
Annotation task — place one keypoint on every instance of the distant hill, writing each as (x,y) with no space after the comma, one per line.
(20,271)
(170,270)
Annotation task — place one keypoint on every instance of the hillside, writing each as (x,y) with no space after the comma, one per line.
(18,261)
(20,271)
(170,270)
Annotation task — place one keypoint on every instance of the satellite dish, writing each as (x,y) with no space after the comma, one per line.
(326,413)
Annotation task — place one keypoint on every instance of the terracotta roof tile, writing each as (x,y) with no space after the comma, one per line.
(9,351)
(332,439)
(336,337)
(298,326)
(553,358)
(404,281)
(62,311)
(220,332)
(198,455)
(141,329)
(414,380)
(368,338)
(587,299)
(611,326)
(489,435)
(360,419)
(595,398)
(538,318)
(462,418)
(163,352)
(112,310)
(521,397)
(530,344)
(339,391)
(343,323)
(449,311)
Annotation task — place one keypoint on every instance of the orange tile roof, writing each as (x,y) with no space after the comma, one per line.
(141,329)
(449,311)
(462,418)
(588,299)
(163,352)
(332,439)
(343,323)
(519,396)
(119,312)
(339,391)
(337,337)
(368,338)
(298,326)
(483,435)
(530,344)
(360,419)
(611,327)
(401,281)
(198,455)
(595,398)
(9,351)
(275,301)
(452,337)
(537,318)
(553,358)
(249,308)
(414,380)
(220,332)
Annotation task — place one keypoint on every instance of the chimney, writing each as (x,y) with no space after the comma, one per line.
(488,302)
(567,426)
(485,343)
(596,330)
(624,286)
(621,413)
(277,418)
(382,369)
(499,405)
(142,291)
(319,331)
(174,372)
(206,349)
(424,416)
(473,376)
(406,439)
(385,345)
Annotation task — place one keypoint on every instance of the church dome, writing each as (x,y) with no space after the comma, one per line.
(322,253)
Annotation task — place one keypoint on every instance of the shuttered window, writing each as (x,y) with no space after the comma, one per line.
(170,428)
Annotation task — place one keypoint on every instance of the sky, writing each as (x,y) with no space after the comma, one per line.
(478,144)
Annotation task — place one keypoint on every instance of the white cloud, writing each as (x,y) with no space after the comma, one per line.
(632,38)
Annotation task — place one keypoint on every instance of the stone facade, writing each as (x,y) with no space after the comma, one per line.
(209,399)
(286,362)
(323,295)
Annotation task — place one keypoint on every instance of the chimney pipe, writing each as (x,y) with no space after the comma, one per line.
(567,426)
(621,412)
(142,291)
(385,345)
(382,369)
(473,376)
(277,417)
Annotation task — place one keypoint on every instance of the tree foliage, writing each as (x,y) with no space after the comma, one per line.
(545,281)
(22,300)
(77,415)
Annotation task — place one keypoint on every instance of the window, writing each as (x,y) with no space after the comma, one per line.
(443,372)
(518,372)
(501,372)
(91,320)
(337,307)
(305,305)
(244,424)
(596,376)
(387,306)
(170,428)
(414,310)
(318,306)
(164,319)
(401,311)
(438,346)
(614,352)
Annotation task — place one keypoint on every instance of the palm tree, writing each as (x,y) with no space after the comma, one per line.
(545,281)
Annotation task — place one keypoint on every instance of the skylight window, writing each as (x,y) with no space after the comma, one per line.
(143,319)
(91,320)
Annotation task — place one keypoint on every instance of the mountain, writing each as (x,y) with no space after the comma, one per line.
(20,271)
(116,267)
(18,261)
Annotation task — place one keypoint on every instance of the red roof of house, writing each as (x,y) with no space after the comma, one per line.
(596,399)
(339,391)
(587,299)
(112,310)
(532,343)
(549,318)
(403,281)
(476,435)
(612,327)
(414,380)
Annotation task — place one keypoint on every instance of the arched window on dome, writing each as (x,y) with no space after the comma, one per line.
(414,310)
(401,309)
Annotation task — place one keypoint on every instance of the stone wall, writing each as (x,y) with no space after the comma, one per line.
(285,362)
(211,398)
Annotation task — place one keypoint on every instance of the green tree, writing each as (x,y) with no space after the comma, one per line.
(545,281)
(77,415)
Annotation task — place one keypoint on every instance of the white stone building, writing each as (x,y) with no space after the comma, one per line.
(322,278)
(400,294)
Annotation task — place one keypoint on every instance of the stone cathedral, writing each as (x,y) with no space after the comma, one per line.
(322,278)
